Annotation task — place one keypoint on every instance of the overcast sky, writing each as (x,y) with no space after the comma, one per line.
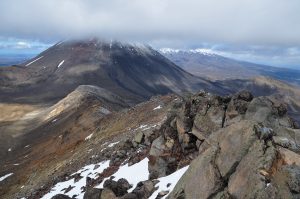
(265,31)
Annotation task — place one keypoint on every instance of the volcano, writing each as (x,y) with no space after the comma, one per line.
(135,72)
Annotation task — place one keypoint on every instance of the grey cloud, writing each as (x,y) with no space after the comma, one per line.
(246,21)
(264,31)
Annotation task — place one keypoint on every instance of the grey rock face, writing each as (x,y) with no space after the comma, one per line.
(200,183)
(253,154)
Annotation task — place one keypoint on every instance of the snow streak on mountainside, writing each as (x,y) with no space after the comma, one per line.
(206,63)
(133,71)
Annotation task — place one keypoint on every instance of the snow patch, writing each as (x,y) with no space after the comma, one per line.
(143,126)
(9,150)
(171,179)
(169,50)
(89,137)
(61,63)
(133,174)
(104,111)
(34,60)
(86,171)
(5,176)
(158,107)
(54,120)
(149,127)
(112,144)
(203,51)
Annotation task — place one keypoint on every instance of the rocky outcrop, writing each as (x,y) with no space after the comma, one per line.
(236,147)
(119,187)
(247,148)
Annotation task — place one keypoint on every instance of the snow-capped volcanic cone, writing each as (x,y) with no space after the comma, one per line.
(133,71)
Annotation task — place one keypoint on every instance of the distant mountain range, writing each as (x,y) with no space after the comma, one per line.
(215,67)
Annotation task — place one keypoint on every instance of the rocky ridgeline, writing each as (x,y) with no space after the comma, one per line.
(246,148)
(237,147)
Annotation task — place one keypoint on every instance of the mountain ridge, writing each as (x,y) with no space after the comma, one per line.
(207,64)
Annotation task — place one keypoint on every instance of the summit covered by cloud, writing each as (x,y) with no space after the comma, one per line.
(262,30)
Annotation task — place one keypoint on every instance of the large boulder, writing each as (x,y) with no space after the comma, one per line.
(184,120)
(253,172)
(269,112)
(201,180)
(234,142)
(285,183)
(119,187)
(237,107)
(286,143)
(138,138)
(92,193)
(204,125)
(108,194)
(144,189)
(60,196)
(157,163)
(289,157)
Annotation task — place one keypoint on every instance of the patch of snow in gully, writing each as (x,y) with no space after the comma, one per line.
(143,126)
(158,107)
(34,60)
(61,63)
(89,137)
(86,171)
(112,144)
(164,181)
(5,176)
(133,174)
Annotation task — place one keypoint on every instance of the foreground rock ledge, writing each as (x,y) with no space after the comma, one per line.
(253,154)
